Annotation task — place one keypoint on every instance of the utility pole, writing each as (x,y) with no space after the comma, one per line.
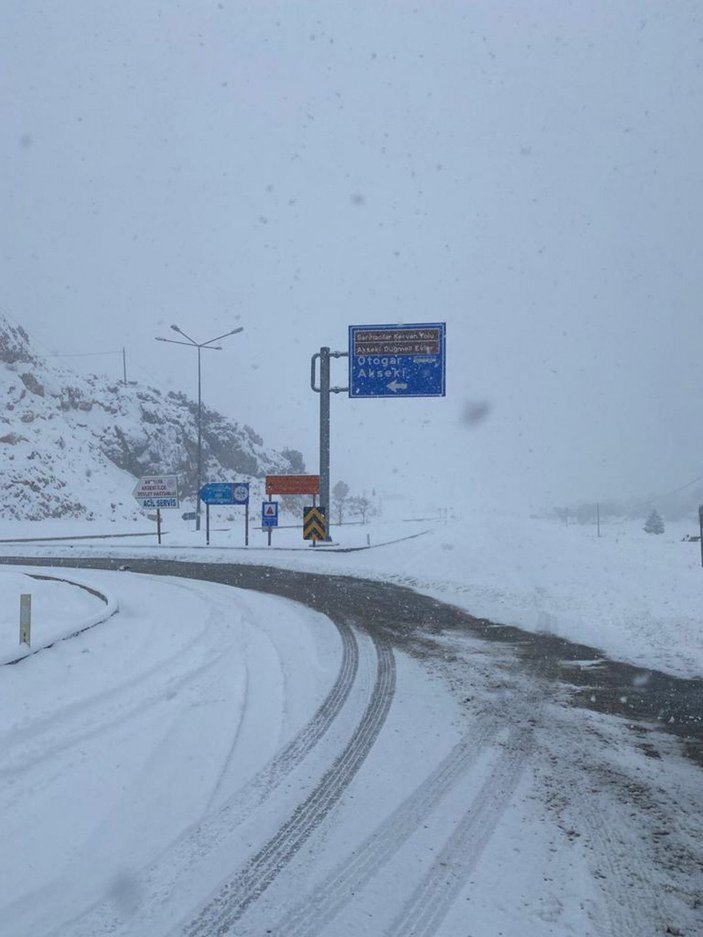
(324,390)
(325,433)
(210,347)
(124,365)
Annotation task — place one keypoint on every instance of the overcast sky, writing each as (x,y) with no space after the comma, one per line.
(531,173)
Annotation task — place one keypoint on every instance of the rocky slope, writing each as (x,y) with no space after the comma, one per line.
(73,447)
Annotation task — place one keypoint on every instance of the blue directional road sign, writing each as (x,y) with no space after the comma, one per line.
(269,513)
(240,492)
(397,360)
(225,493)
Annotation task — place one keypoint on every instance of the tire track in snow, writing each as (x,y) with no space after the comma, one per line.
(268,778)
(160,879)
(229,757)
(223,911)
(322,905)
(39,749)
(614,810)
(635,904)
(32,743)
(423,914)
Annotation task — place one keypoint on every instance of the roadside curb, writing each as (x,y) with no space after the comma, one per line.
(334,547)
(111,608)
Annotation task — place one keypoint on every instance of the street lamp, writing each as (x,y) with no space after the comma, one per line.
(210,347)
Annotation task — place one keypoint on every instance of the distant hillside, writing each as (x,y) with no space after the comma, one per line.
(74,446)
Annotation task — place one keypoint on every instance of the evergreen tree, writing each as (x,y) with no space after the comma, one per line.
(654,524)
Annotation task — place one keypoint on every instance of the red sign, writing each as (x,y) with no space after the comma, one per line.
(292,484)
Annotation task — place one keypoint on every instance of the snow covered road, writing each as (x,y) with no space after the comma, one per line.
(117,741)
(219,761)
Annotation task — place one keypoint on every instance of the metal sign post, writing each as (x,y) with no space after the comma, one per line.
(324,427)
(269,517)
(700,524)
(384,361)
(224,493)
(240,493)
(324,390)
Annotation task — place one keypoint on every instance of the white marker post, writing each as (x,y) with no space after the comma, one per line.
(25,619)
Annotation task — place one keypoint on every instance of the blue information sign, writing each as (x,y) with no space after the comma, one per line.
(397,360)
(269,513)
(240,492)
(225,493)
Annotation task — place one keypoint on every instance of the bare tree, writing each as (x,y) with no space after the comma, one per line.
(360,505)
(340,493)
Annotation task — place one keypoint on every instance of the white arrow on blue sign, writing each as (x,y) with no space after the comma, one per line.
(397,360)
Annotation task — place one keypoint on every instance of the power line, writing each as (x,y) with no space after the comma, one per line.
(668,494)
(644,504)
(83,354)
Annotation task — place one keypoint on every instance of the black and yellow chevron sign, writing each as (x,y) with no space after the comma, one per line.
(314,524)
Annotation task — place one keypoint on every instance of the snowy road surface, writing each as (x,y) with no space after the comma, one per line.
(214,761)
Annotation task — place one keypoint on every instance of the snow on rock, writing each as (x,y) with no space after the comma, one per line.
(73,446)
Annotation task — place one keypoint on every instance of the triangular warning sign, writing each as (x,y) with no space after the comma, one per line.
(269,510)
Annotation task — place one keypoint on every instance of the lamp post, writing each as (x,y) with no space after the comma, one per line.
(210,347)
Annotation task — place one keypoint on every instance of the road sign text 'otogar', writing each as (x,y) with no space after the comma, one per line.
(397,360)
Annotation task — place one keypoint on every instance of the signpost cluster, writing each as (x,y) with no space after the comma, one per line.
(405,360)
(386,361)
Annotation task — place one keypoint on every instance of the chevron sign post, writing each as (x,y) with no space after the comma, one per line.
(314,524)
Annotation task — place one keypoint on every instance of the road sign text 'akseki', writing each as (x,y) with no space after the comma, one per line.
(397,360)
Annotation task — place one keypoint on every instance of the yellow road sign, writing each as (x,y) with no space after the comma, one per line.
(314,524)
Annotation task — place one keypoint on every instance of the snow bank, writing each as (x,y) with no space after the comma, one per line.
(59,609)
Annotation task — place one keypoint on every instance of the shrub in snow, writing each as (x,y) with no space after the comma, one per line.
(654,524)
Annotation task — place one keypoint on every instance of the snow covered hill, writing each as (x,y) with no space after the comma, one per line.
(72,446)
